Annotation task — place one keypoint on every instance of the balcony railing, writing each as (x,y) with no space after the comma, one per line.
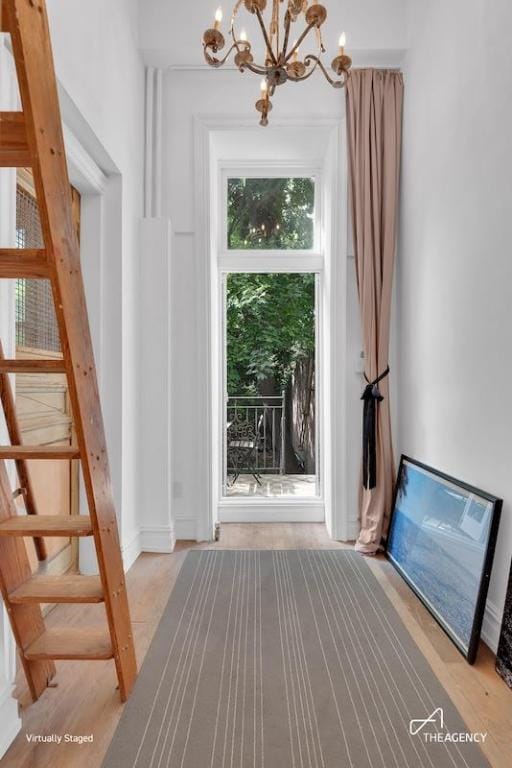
(255,435)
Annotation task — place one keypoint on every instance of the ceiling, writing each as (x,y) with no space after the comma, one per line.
(170,33)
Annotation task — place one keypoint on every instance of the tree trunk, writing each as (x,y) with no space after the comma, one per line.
(301,421)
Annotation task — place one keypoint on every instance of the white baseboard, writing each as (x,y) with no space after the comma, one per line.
(130,551)
(10,719)
(150,538)
(185,529)
(157,538)
(255,512)
(491,626)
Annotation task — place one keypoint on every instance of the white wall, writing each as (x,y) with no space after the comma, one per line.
(455,265)
(100,70)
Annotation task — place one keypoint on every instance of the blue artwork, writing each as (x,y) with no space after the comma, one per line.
(439,540)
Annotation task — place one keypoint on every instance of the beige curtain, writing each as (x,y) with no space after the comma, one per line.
(374,120)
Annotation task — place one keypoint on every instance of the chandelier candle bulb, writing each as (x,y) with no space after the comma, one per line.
(342,43)
(218,18)
(264,89)
(243,36)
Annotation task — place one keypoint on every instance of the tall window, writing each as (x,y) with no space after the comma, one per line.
(270,322)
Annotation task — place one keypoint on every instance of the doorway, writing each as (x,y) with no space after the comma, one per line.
(270,286)
(233,158)
(271,426)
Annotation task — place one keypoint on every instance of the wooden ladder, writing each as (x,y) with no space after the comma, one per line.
(34,138)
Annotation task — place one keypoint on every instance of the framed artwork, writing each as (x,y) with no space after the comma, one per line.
(441,539)
(504,655)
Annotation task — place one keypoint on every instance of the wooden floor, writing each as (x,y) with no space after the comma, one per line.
(85,701)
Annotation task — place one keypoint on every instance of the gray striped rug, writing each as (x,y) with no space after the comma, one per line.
(293,659)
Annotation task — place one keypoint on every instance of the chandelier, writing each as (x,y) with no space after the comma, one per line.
(282,60)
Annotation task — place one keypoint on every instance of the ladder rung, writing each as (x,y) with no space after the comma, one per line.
(39,365)
(71,643)
(46,525)
(30,263)
(14,151)
(70,588)
(38,452)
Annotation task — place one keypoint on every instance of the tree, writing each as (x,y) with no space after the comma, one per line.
(270,327)
(271,213)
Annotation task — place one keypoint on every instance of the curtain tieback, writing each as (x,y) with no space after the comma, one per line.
(371,397)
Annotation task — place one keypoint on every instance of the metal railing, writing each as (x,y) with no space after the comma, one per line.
(255,434)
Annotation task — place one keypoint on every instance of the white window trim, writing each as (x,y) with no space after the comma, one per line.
(279,509)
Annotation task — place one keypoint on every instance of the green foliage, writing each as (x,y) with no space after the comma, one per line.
(271,213)
(270,326)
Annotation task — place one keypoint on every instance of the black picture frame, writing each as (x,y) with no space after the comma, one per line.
(469,651)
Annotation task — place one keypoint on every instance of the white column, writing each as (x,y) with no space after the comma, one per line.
(154,428)
(154,342)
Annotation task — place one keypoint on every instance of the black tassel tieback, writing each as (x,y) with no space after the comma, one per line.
(371,397)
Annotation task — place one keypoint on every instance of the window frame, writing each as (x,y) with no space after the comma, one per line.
(254,259)
(271,261)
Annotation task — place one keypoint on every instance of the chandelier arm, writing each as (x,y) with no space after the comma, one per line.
(320,39)
(274,27)
(330,80)
(235,11)
(318,63)
(307,62)
(232,23)
(287,25)
(212,61)
(236,42)
(299,41)
(265,35)
(258,69)
(278,33)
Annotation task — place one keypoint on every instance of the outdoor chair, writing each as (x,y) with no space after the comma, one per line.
(243,443)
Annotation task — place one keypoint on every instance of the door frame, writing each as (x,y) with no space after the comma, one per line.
(334,310)
(264,509)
